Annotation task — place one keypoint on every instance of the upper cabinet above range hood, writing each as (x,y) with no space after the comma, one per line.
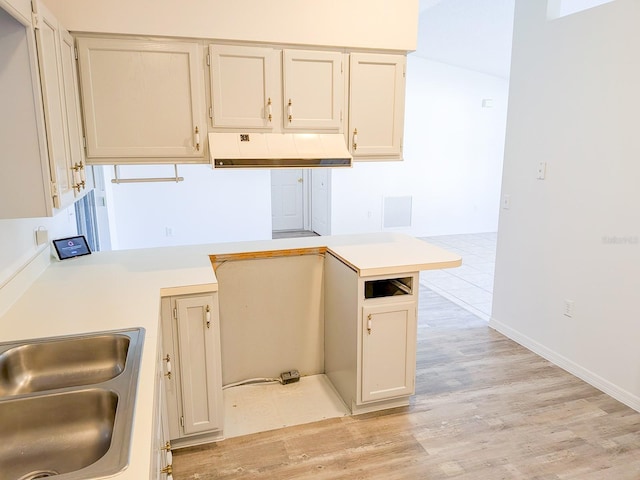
(278,150)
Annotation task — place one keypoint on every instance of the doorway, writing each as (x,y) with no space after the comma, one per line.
(300,202)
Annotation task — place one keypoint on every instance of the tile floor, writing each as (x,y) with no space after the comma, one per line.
(471,285)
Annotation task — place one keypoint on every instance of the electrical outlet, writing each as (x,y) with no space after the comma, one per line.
(569,308)
(506,202)
(542,170)
(290,376)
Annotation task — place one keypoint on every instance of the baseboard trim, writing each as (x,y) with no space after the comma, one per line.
(573,368)
(15,286)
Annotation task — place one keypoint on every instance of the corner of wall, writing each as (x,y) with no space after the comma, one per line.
(17,285)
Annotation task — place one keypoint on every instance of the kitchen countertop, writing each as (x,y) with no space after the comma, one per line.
(122,289)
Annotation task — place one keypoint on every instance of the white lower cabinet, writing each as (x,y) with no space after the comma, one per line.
(192,371)
(370,336)
(162,459)
(388,351)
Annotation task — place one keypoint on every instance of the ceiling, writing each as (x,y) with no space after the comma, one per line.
(473,34)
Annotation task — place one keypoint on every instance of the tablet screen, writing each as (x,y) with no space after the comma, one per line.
(71,247)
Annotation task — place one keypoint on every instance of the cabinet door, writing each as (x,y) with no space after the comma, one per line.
(72,109)
(142,99)
(243,86)
(313,85)
(53,96)
(25,181)
(376,105)
(200,372)
(388,351)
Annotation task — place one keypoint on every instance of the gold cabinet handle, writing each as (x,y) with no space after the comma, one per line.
(269,112)
(168,360)
(78,177)
(290,110)
(197,138)
(355,139)
(168,470)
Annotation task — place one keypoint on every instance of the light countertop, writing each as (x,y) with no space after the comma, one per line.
(122,289)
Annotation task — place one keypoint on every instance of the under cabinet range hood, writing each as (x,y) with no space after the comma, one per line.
(278,150)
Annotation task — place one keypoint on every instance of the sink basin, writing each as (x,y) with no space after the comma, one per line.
(54,434)
(67,405)
(47,365)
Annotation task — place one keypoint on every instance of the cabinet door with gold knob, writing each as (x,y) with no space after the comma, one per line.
(376,105)
(313,85)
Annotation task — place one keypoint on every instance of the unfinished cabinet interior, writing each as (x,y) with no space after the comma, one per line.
(376,105)
(192,370)
(143,100)
(370,336)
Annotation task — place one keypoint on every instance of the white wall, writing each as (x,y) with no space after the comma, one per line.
(386,24)
(209,206)
(18,241)
(452,166)
(574,103)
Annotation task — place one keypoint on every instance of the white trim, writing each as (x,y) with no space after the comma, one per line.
(573,368)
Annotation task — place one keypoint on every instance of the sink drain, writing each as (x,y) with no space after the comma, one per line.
(39,474)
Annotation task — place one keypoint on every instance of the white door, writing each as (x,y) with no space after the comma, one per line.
(320,201)
(287,199)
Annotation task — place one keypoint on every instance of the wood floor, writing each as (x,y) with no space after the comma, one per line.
(485,409)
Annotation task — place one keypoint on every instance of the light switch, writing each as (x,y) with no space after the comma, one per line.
(506,202)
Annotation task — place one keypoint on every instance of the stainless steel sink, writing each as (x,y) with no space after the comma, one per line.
(57,433)
(66,405)
(69,362)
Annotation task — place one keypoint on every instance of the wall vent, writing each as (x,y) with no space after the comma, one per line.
(397,212)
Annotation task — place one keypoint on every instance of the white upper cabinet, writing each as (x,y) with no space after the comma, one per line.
(276,90)
(40,135)
(143,100)
(313,86)
(376,105)
(244,86)
(76,158)
(48,41)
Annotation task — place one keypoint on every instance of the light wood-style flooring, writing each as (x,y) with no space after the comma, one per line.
(485,409)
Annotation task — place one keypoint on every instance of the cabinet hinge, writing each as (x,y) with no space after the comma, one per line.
(75,52)
(211,112)
(54,189)
(341,66)
(404,71)
(84,139)
(35,21)
(182,421)
(208,60)
(175,313)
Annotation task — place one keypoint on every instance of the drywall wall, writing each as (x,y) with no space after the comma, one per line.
(574,103)
(386,24)
(453,150)
(209,206)
(18,242)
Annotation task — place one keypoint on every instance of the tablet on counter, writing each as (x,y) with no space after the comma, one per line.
(71,247)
